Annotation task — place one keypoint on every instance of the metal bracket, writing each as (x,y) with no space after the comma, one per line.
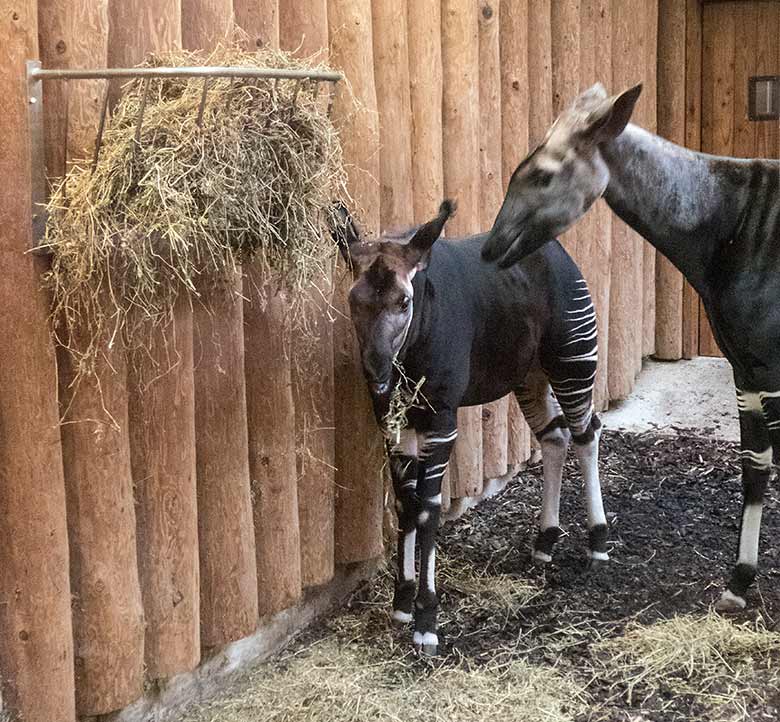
(37,156)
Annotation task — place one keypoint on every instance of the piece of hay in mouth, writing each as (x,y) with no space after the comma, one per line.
(186,205)
(406,394)
(703,656)
(333,682)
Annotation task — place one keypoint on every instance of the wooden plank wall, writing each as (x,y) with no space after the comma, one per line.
(450,97)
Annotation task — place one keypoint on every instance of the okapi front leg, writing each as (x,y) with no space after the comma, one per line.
(403,469)
(755,425)
(586,447)
(435,448)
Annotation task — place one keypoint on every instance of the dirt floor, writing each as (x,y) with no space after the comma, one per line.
(559,643)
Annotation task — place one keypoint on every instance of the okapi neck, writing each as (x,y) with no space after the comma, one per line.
(674,197)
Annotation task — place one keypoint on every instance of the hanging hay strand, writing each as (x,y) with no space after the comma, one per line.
(187,203)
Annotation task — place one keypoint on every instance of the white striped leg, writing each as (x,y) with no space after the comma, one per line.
(544,416)
(586,446)
(403,469)
(756,467)
(435,448)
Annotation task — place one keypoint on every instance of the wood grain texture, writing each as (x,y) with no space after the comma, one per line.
(108,624)
(303,29)
(460,136)
(717,119)
(36,642)
(671,125)
(594,231)
(359,446)
(627,276)
(228,583)
(205,23)
(649,45)
(259,19)
(161,410)
(494,415)
(693,58)
(391,75)
(513,41)
(425,78)
(272,460)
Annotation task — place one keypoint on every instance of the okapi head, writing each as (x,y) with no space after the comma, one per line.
(557,183)
(381,299)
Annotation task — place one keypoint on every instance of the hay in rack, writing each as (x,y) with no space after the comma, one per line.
(187,204)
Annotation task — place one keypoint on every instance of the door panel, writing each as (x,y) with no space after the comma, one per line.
(740,39)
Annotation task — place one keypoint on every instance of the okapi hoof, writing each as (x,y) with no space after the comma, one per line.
(426,644)
(596,561)
(730,603)
(544,544)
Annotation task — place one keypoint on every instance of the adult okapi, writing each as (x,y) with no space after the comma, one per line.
(716,219)
(475,333)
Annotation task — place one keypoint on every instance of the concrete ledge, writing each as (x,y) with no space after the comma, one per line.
(168,699)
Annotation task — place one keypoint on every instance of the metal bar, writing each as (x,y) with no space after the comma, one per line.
(183,72)
(202,105)
(37,158)
(141,110)
(101,128)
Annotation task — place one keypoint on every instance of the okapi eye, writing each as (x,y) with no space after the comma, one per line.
(403,304)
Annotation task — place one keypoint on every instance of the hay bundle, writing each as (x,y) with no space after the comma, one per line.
(187,204)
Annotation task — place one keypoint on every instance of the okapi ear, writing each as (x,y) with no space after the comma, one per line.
(343,230)
(611,117)
(418,250)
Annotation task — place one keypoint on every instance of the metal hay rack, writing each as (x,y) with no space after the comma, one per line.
(37,74)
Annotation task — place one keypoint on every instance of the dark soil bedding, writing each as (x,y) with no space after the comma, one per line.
(673,503)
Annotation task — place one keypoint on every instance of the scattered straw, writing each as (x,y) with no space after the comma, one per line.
(337,683)
(164,216)
(707,657)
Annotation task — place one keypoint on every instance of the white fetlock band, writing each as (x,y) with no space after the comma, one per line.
(599,556)
(541,556)
(401,616)
(428,638)
(729,600)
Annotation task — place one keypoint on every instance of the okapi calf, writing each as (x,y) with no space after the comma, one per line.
(716,219)
(475,333)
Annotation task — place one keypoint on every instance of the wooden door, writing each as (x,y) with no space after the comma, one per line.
(740,40)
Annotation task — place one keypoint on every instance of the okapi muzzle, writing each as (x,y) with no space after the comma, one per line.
(381,300)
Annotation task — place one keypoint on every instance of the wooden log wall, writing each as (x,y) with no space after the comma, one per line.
(231,519)
(108,623)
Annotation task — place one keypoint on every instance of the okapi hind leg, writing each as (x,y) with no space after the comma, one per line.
(544,416)
(404,471)
(759,425)
(434,453)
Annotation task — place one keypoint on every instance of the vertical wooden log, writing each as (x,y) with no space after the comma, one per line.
(627,275)
(540,74)
(595,228)
(205,23)
(693,51)
(108,625)
(460,140)
(228,581)
(649,121)
(425,76)
(271,421)
(161,412)
(494,415)
(391,75)
(359,447)
(565,42)
(671,125)
(513,38)
(303,28)
(36,643)
(259,19)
